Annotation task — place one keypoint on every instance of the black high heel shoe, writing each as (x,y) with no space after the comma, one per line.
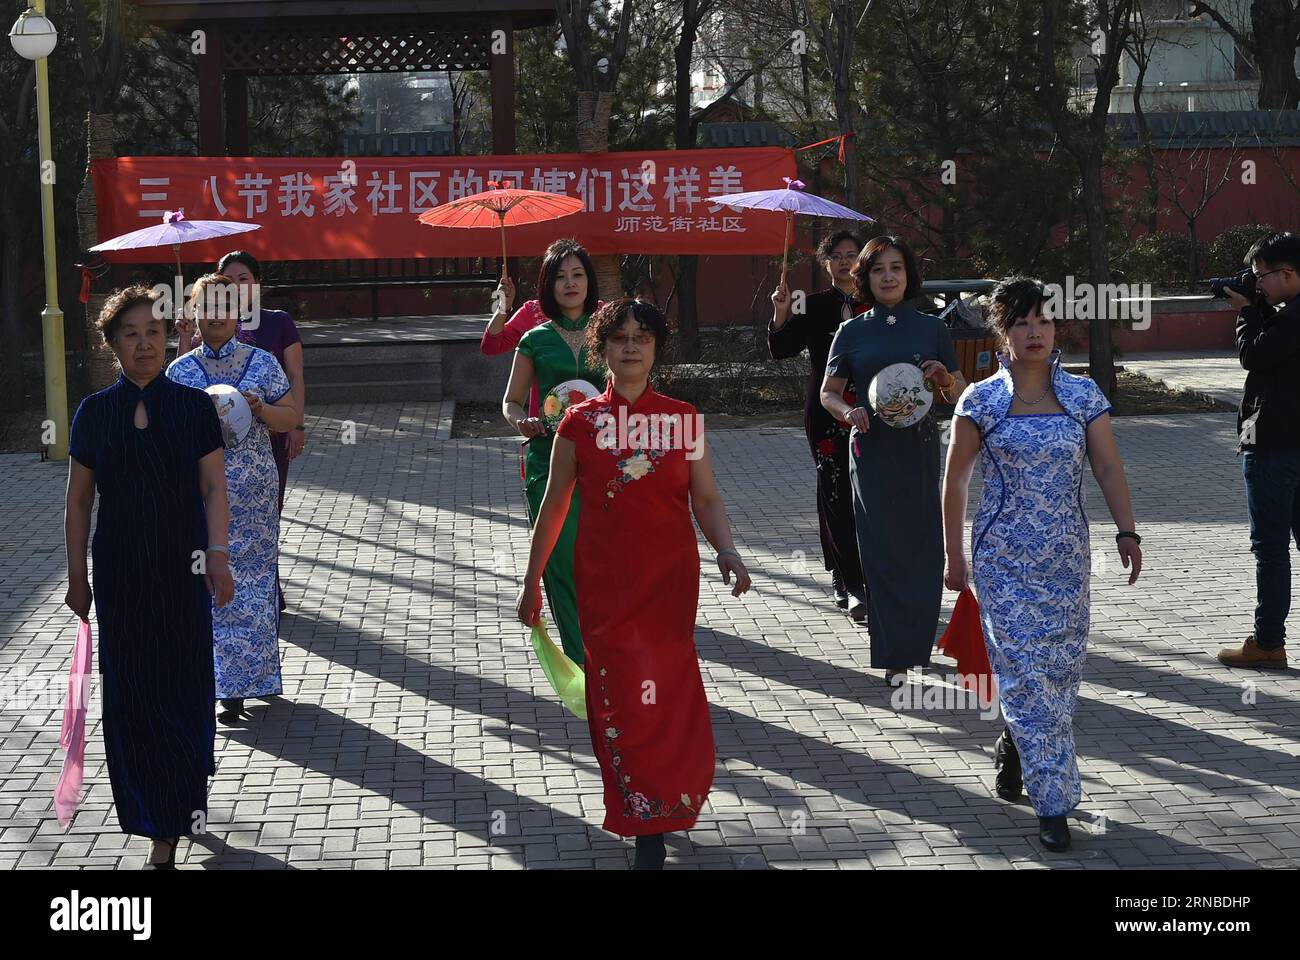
(841,595)
(232,713)
(650,852)
(1054,833)
(1009,784)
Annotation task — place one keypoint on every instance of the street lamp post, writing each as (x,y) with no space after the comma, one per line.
(33,38)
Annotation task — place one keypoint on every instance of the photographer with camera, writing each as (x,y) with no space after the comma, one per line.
(1268,424)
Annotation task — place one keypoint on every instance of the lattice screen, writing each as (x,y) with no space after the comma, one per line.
(390,45)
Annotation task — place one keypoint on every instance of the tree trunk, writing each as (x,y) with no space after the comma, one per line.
(1101,355)
(688,311)
(1148,153)
(593,137)
(101,369)
(1274,29)
(456,119)
(846,112)
(688,265)
(11,327)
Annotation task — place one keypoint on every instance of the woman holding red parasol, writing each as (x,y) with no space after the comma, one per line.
(550,356)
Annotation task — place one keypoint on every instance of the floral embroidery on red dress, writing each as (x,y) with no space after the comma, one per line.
(635,803)
(636,465)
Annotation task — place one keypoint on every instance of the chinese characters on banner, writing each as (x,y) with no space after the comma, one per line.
(331,208)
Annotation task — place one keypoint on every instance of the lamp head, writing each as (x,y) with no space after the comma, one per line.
(33,36)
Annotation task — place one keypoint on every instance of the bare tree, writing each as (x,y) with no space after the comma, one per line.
(1270,44)
(1194,173)
(1141,48)
(835,35)
(596,66)
(694,13)
(461,94)
(102,54)
(1083,134)
(16,134)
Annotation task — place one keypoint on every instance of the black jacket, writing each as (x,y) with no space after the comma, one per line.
(1268,343)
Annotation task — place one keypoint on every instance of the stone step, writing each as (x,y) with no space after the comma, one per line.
(323,372)
(336,353)
(361,391)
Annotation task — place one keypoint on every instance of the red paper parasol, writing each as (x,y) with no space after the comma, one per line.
(501,207)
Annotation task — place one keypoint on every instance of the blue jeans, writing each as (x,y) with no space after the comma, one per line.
(1273,501)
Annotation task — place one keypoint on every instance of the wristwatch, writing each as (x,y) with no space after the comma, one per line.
(300,427)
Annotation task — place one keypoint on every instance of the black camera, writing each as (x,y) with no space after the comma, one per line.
(1243,283)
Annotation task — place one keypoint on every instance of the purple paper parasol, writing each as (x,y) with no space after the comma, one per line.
(789,200)
(173,231)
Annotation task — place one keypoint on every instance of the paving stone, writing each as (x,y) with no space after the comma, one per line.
(415,725)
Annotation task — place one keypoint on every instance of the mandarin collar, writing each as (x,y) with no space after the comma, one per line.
(614,397)
(227,348)
(1004,370)
(1004,361)
(898,309)
(133,391)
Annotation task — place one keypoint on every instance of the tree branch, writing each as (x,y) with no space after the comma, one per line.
(85,52)
(1199,8)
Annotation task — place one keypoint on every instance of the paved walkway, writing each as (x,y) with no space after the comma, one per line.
(360,331)
(1214,373)
(416,730)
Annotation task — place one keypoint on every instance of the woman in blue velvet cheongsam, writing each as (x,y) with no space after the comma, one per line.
(152,450)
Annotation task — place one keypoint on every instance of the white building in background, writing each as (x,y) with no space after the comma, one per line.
(1195,64)
(715,47)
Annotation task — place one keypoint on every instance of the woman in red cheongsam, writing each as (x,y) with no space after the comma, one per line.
(641,467)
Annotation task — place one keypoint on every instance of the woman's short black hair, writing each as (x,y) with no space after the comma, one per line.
(1013,298)
(831,241)
(614,314)
(240,256)
(867,259)
(120,301)
(555,255)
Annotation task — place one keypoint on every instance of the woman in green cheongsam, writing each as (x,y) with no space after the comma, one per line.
(551,355)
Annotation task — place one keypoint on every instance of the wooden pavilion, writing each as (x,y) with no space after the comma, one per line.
(305,37)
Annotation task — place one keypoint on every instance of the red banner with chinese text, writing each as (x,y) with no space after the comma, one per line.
(332,208)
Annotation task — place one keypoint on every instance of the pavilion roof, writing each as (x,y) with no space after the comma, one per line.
(524,13)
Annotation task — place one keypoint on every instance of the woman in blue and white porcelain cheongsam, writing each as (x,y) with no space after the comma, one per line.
(1032,425)
(245,633)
